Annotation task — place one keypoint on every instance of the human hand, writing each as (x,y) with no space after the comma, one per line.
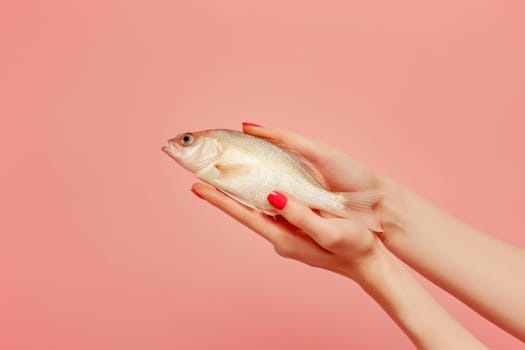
(341,172)
(336,244)
(345,246)
(349,248)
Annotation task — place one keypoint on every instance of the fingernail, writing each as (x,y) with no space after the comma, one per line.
(197,194)
(250,124)
(277,199)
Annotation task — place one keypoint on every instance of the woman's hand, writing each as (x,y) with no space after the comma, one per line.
(345,247)
(335,244)
(428,239)
(341,172)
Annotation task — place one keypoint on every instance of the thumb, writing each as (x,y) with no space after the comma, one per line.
(310,149)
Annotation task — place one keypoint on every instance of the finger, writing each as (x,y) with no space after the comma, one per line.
(320,229)
(334,235)
(282,236)
(251,218)
(302,247)
(330,161)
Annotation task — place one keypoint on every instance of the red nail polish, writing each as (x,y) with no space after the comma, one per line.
(197,194)
(277,199)
(250,124)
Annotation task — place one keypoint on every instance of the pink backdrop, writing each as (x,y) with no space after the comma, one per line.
(102,244)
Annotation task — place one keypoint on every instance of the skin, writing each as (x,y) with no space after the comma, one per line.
(485,270)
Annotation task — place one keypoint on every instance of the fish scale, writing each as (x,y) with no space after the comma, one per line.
(248,168)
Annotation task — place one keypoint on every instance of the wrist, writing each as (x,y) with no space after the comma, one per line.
(369,268)
(425,322)
(392,210)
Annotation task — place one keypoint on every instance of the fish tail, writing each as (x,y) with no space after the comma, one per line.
(359,206)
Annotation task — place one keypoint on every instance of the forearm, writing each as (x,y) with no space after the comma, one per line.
(485,273)
(427,324)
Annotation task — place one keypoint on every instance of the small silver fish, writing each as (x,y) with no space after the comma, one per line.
(248,168)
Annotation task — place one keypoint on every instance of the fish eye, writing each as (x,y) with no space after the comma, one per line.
(186,139)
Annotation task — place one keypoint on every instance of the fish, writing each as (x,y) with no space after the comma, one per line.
(247,168)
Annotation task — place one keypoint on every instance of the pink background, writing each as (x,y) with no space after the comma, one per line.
(102,244)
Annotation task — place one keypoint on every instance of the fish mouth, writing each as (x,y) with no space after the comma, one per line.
(167,150)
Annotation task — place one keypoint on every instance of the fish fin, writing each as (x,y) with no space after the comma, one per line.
(242,201)
(361,200)
(229,170)
(358,206)
(273,214)
(328,215)
(303,162)
(246,204)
